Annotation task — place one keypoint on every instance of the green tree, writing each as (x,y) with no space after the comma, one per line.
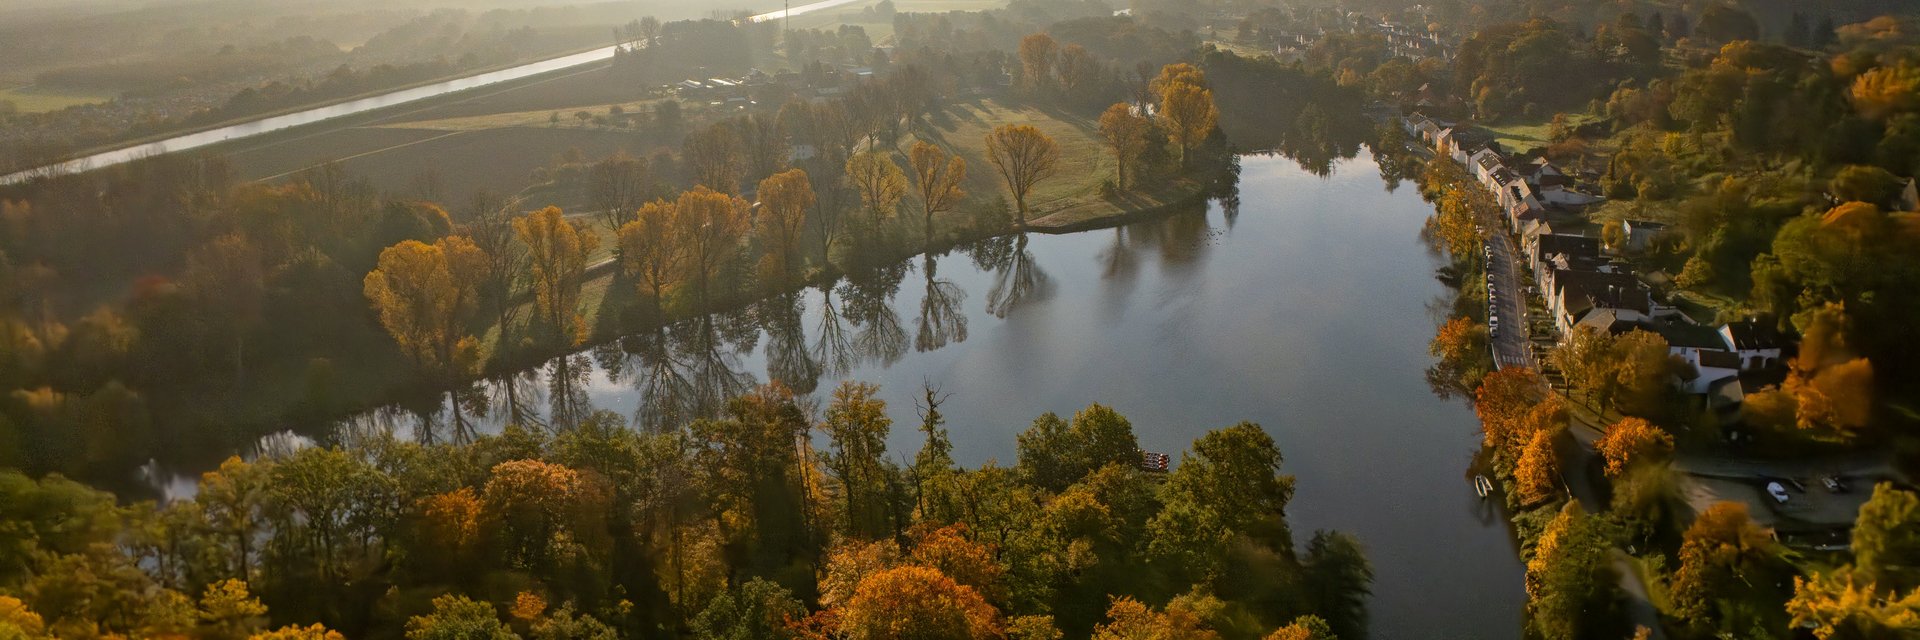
(455,617)
(1886,539)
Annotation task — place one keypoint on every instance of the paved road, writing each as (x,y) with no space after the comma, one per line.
(1507,292)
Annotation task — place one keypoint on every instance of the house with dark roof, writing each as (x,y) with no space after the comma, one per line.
(1705,353)
(1575,293)
(1757,344)
(1541,247)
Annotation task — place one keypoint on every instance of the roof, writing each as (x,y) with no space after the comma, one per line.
(1607,320)
(1749,335)
(1681,334)
(1720,360)
(1646,224)
(1572,245)
(1583,290)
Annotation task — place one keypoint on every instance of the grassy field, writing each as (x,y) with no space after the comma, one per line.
(32,99)
(1069,199)
(1521,136)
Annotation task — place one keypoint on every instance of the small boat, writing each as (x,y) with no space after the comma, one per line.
(1482,486)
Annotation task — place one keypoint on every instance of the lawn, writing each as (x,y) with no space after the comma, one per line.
(32,99)
(1072,196)
(1521,136)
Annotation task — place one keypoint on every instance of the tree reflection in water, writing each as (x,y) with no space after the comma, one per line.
(686,371)
(881,339)
(832,347)
(1017,278)
(941,320)
(566,390)
(789,362)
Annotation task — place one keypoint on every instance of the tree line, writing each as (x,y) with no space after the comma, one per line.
(772,520)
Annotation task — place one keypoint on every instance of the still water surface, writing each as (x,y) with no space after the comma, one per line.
(1307,310)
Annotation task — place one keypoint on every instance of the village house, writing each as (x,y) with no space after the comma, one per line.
(1756,344)
(1703,350)
(1574,294)
(1640,233)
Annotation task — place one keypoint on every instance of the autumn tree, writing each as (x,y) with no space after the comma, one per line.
(1078,70)
(1570,583)
(785,199)
(1460,345)
(1829,390)
(880,183)
(649,251)
(1536,475)
(1024,156)
(1723,554)
(1038,52)
(1126,136)
(857,425)
(937,177)
(456,617)
(425,296)
(1128,619)
(1838,605)
(917,602)
(716,158)
(493,234)
(1886,538)
(227,278)
(617,185)
(708,227)
(1633,441)
(558,254)
(1186,102)
(229,612)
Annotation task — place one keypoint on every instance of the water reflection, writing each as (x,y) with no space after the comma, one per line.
(879,338)
(1306,313)
(1017,277)
(789,362)
(941,319)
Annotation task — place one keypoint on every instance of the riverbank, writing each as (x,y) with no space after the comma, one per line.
(282,398)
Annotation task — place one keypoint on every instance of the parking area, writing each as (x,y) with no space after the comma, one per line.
(1506,303)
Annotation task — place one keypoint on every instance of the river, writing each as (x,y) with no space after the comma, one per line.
(1307,310)
(270,124)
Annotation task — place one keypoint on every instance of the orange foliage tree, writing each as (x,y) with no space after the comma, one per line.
(917,602)
(1633,441)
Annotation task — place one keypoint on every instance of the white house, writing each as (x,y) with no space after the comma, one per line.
(1702,349)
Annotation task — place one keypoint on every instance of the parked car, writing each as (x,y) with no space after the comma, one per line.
(1778,492)
(1833,484)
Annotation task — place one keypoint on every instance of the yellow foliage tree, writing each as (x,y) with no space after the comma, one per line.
(1186,102)
(1024,156)
(708,226)
(1125,133)
(879,182)
(784,200)
(649,253)
(558,252)
(425,297)
(937,177)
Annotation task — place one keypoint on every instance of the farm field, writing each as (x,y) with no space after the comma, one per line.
(31,99)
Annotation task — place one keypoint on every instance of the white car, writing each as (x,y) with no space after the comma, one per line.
(1778,492)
